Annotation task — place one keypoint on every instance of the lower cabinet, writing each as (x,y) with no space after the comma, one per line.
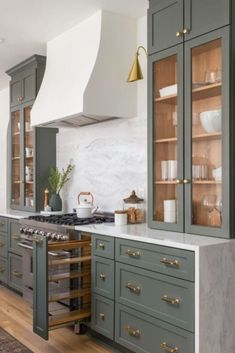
(3,270)
(144,334)
(15,272)
(103,316)
(143,295)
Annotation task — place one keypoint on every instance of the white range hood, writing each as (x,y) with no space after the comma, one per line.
(86,72)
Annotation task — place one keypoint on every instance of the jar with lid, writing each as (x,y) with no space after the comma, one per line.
(135,208)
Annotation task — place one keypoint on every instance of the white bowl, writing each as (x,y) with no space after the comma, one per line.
(211,120)
(217,173)
(167,91)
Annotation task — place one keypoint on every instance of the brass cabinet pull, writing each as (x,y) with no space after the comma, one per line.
(2,244)
(134,332)
(179,181)
(167,262)
(166,348)
(102,276)
(20,98)
(186,181)
(132,288)
(16,237)
(179,34)
(17,274)
(102,316)
(2,270)
(2,224)
(133,253)
(170,300)
(186,30)
(101,246)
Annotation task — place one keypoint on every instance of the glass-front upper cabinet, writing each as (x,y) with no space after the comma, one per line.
(189,126)
(167,149)
(207,134)
(22,187)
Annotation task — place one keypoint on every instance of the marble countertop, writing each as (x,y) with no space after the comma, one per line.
(15,214)
(141,232)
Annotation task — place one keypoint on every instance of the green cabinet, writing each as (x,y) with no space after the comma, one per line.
(171,22)
(190,137)
(102,320)
(28,169)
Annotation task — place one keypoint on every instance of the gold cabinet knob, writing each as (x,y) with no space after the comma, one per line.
(179,181)
(101,246)
(134,332)
(186,181)
(186,31)
(102,316)
(169,349)
(20,98)
(102,276)
(179,34)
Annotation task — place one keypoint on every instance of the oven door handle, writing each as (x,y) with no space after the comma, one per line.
(26,246)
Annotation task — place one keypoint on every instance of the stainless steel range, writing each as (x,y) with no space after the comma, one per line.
(52,243)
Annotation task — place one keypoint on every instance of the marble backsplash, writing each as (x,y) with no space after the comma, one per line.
(110,161)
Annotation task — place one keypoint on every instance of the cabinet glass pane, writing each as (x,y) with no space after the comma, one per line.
(206,134)
(28,159)
(15,156)
(165,140)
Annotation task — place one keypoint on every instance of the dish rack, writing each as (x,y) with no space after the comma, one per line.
(62,283)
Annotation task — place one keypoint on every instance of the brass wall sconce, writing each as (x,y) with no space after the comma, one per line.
(136,72)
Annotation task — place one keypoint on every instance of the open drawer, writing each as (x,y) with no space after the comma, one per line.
(61,282)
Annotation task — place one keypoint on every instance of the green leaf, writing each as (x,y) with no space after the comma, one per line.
(58,179)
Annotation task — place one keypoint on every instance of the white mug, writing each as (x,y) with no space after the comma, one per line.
(170,211)
(28,152)
(172,169)
(164,170)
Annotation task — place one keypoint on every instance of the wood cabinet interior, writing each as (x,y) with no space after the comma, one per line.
(28,158)
(206,152)
(165,134)
(69,282)
(15,117)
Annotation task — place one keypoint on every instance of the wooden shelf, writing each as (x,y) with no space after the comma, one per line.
(16,182)
(76,293)
(15,158)
(67,275)
(65,245)
(208,136)
(167,99)
(59,319)
(166,140)
(207,91)
(16,133)
(29,182)
(28,157)
(68,261)
(206,182)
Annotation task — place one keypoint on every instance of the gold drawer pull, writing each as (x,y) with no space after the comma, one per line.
(134,332)
(170,300)
(101,246)
(102,276)
(133,289)
(2,270)
(166,348)
(17,274)
(2,244)
(102,316)
(133,253)
(16,237)
(167,262)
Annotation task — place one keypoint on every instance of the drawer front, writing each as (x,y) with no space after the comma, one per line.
(103,276)
(170,261)
(3,224)
(144,334)
(102,320)
(3,244)
(15,271)
(3,270)
(166,298)
(14,237)
(103,246)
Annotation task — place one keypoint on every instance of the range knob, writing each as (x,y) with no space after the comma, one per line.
(64,237)
(53,236)
(48,235)
(36,231)
(22,230)
(42,233)
(30,231)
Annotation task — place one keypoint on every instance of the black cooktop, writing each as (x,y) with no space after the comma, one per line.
(71,219)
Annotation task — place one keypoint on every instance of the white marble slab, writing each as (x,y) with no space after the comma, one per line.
(15,214)
(141,232)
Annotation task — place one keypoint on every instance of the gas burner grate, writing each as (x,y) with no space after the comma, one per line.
(71,219)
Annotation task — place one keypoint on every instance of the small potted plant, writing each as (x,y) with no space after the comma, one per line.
(57,180)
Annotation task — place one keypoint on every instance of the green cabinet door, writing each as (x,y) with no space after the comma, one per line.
(202,16)
(165,23)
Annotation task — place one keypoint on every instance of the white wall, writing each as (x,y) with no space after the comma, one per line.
(4,119)
(110,158)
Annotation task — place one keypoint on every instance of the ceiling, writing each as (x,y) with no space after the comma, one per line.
(27,25)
